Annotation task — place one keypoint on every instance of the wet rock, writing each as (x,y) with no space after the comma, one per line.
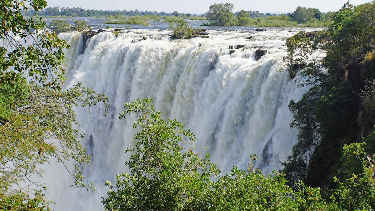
(311,34)
(86,35)
(259,53)
(298,66)
(240,46)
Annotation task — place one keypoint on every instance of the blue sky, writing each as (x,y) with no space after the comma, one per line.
(201,6)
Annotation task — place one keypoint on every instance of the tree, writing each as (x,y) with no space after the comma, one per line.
(37,120)
(221,15)
(163,175)
(175,13)
(166,174)
(243,18)
(59,26)
(181,30)
(338,108)
(357,187)
(81,26)
(303,14)
(317,13)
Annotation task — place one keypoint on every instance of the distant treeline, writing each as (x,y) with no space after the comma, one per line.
(218,15)
(80,12)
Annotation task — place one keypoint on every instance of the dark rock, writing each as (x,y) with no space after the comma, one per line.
(240,46)
(311,34)
(200,32)
(294,68)
(259,53)
(297,66)
(86,36)
(260,30)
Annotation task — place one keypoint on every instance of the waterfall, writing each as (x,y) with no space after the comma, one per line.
(235,105)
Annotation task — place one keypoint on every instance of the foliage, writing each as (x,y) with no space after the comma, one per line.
(175,13)
(353,37)
(358,189)
(172,19)
(300,48)
(327,115)
(165,174)
(37,121)
(251,190)
(133,20)
(35,116)
(182,30)
(59,26)
(304,15)
(266,19)
(355,157)
(315,23)
(116,16)
(23,201)
(243,19)
(80,12)
(81,26)
(221,15)
(30,59)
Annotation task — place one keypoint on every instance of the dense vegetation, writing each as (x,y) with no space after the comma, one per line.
(222,15)
(59,26)
(218,15)
(132,20)
(37,121)
(338,110)
(80,12)
(182,30)
(166,173)
(145,19)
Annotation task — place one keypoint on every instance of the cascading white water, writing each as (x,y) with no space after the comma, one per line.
(235,105)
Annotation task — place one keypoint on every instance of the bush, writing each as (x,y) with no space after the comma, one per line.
(167,174)
(133,20)
(59,26)
(181,30)
(81,26)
